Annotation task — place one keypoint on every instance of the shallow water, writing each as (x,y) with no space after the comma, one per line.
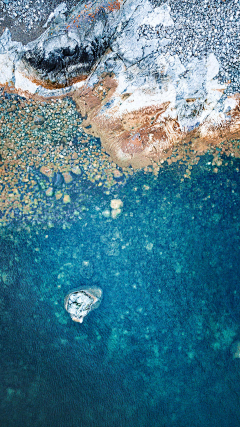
(159,349)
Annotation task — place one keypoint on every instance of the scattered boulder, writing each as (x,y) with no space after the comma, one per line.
(80,302)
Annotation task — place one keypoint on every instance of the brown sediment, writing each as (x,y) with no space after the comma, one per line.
(31,154)
(28,96)
(139,138)
(142,137)
(30,73)
(9,87)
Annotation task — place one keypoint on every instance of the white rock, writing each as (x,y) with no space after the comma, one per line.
(116,203)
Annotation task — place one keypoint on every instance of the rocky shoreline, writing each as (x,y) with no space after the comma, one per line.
(138,82)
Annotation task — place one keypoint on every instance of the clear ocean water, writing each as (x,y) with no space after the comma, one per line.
(159,350)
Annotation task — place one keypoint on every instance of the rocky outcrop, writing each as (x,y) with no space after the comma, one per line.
(127,69)
(69,50)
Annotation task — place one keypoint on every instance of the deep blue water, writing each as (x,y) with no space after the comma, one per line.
(159,349)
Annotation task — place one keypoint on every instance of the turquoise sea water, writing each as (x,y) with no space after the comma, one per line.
(159,349)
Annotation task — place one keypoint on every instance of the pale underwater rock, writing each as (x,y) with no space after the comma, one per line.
(66,199)
(235,350)
(79,302)
(116,204)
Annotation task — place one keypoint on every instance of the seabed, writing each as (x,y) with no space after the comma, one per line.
(162,243)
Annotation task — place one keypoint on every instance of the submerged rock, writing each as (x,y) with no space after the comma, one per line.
(116,204)
(80,302)
(235,350)
(86,269)
(57,179)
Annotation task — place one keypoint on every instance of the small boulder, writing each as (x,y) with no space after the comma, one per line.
(80,302)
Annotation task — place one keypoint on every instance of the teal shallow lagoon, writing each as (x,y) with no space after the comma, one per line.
(159,349)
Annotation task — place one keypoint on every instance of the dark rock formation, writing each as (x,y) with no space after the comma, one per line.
(70,48)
